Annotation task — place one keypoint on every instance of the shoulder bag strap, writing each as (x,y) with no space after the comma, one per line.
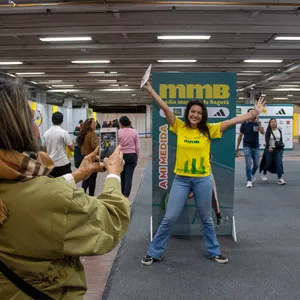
(25,287)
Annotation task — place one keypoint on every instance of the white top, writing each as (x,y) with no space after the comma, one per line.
(55,140)
(276,132)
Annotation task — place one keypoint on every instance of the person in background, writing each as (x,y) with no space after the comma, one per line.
(55,141)
(78,128)
(88,142)
(250,130)
(46,224)
(98,126)
(193,172)
(129,140)
(272,157)
(37,135)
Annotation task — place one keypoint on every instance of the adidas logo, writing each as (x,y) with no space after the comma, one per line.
(281,112)
(220,113)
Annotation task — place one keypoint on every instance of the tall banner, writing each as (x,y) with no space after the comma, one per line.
(218,92)
(283,113)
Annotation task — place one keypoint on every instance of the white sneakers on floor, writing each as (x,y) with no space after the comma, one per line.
(249,184)
(263,177)
(281,181)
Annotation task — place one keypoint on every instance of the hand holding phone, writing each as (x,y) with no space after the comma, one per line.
(108,141)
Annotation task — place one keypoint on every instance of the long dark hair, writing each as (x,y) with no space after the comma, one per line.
(269,129)
(87,126)
(202,126)
(16,118)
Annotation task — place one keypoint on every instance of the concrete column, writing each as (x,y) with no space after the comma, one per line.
(148,119)
(68,114)
(41,97)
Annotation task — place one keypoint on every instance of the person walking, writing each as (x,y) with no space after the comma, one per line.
(193,172)
(250,131)
(272,157)
(88,142)
(130,145)
(55,142)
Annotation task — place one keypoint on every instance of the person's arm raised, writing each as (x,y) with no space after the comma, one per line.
(168,112)
(252,114)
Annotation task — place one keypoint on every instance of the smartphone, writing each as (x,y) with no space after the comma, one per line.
(108,141)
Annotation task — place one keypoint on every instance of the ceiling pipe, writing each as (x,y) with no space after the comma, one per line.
(137,2)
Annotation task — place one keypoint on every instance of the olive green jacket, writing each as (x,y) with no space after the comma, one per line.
(51,223)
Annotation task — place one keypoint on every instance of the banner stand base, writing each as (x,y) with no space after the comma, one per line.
(234,229)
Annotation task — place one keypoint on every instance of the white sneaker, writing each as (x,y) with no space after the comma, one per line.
(263,177)
(253,178)
(249,184)
(281,181)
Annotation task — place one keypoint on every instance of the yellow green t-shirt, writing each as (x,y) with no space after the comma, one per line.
(193,149)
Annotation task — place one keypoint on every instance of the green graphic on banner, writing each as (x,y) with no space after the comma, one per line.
(218,92)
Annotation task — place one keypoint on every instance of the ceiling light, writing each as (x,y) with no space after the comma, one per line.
(113,72)
(4,63)
(90,61)
(241,98)
(251,71)
(248,74)
(50,81)
(66,39)
(241,81)
(183,37)
(125,84)
(116,90)
(287,90)
(11,75)
(176,60)
(107,80)
(280,98)
(62,85)
(263,60)
(263,95)
(100,72)
(289,85)
(62,90)
(31,73)
(290,95)
(133,95)
(33,82)
(114,85)
(287,38)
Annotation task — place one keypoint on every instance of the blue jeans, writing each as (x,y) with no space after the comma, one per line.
(181,187)
(251,154)
(274,156)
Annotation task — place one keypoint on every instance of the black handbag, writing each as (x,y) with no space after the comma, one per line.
(24,286)
(278,144)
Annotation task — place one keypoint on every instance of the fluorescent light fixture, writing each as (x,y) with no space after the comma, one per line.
(289,85)
(176,60)
(251,71)
(183,37)
(33,82)
(263,95)
(4,63)
(100,72)
(287,90)
(114,85)
(62,85)
(66,39)
(241,98)
(290,95)
(11,75)
(90,61)
(30,73)
(50,81)
(49,87)
(62,90)
(241,81)
(113,72)
(280,98)
(287,38)
(133,95)
(107,80)
(263,60)
(116,90)
(248,74)
(125,84)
